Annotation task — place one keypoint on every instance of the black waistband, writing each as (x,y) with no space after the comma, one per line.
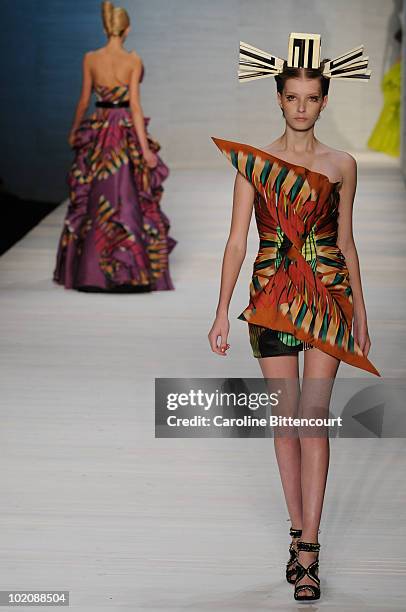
(108,104)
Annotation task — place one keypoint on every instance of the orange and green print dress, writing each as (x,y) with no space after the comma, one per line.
(300,292)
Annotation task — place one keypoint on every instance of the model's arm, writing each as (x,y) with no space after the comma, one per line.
(234,254)
(346,243)
(84,98)
(137,114)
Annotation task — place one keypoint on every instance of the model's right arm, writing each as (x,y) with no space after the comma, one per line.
(84,98)
(234,255)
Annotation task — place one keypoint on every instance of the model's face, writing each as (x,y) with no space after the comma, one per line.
(302,102)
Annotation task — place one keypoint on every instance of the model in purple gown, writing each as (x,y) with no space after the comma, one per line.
(115,235)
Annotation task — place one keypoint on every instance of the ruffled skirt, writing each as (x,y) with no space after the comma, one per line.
(115,236)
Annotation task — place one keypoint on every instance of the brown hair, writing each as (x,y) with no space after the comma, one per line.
(308,73)
(115,19)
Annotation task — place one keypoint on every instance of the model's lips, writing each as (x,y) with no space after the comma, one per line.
(301,118)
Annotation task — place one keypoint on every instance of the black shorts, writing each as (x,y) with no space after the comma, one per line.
(267,342)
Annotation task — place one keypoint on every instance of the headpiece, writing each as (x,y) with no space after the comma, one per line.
(303,52)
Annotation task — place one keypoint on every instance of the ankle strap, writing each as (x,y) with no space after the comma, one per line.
(295,533)
(309,546)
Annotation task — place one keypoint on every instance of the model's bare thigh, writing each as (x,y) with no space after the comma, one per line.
(282,366)
(318,364)
(285,368)
(319,374)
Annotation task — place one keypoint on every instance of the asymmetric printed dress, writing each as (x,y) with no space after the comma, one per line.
(300,292)
(115,235)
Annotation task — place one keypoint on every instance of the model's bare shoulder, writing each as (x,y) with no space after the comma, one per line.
(347,164)
(341,156)
(136,63)
(348,168)
(135,57)
(341,160)
(88,59)
(96,52)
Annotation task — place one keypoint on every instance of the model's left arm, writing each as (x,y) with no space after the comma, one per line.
(137,112)
(346,243)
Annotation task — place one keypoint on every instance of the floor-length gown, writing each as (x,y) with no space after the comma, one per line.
(115,235)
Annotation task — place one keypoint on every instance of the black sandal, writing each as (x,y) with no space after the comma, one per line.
(291,568)
(311,571)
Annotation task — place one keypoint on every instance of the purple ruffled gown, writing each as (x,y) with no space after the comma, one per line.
(115,235)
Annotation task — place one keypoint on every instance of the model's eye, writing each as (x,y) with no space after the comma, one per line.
(315,98)
(290,97)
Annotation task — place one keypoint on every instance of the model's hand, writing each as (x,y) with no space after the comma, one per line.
(150,158)
(361,335)
(220,329)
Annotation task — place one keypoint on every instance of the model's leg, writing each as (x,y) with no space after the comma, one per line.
(287,448)
(319,373)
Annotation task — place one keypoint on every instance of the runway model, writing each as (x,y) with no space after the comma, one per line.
(115,235)
(306,290)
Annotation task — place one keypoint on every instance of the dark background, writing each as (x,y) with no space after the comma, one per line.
(42,45)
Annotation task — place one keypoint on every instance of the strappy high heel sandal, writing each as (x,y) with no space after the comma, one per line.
(291,564)
(311,571)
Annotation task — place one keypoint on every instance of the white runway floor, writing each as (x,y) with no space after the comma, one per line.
(92,503)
